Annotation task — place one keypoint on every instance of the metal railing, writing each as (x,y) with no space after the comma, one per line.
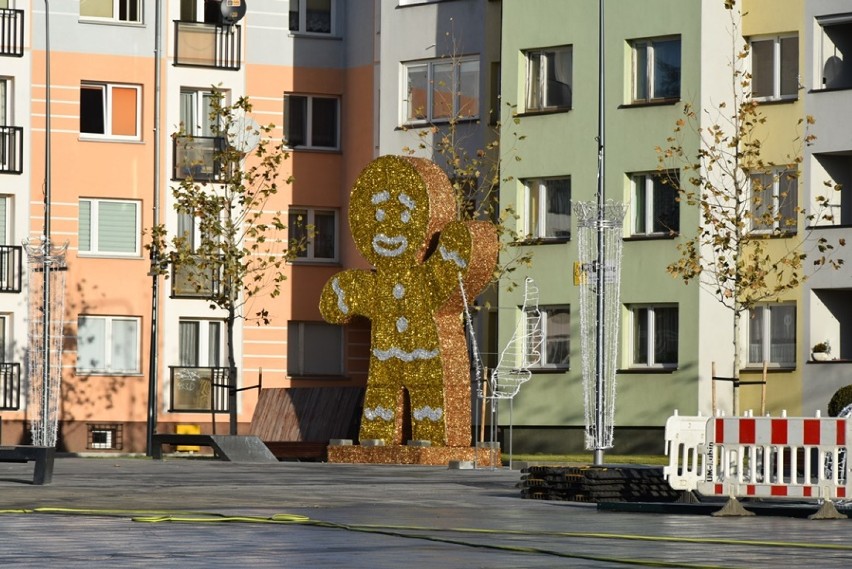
(207,45)
(189,281)
(197,157)
(11,32)
(11,268)
(11,149)
(198,389)
(10,386)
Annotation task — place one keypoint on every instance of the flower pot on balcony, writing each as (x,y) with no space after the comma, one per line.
(820,356)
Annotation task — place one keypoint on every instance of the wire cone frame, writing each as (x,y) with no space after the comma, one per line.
(600,244)
(46,264)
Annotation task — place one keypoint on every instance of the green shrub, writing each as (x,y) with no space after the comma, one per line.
(841,398)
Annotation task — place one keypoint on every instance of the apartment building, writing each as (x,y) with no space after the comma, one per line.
(826,80)
(660,55)
(308,67)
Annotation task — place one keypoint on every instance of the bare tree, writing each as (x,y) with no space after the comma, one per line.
(749,246)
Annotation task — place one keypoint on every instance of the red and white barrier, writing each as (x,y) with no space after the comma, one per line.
(786,457)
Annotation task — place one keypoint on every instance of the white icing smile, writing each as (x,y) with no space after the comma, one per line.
(389,246)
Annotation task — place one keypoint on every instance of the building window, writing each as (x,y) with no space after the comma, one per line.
(312,16)
(5,103)
(109,227)
(110,111)
(549,84)
(655,204)
(314,348)
(656,69)
(548,206)
(655,336)
(775,68)
(105,437)
(107,344)
(196,111)
(314,233)
(774,202)
(555,336)
(441,90)
(201,343)
(772,335)
(312,121)
(111,10)
(835,51)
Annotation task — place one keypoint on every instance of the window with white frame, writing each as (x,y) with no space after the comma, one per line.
(549,78)
(8,260)
(775,67)
(555,336)
(129,11)
(196,111)
(314,348)
(548,208)
(200,342)
(834,51)
(312,16)
(312,121)
(107,344)
(314,233)
(110,111)
(772,335)
(108,227)
(655,335)
(5,336)
(656,69)
(774,202)
(655,204)
(441,90)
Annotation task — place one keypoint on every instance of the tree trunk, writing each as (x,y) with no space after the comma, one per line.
(737,351)
(232,372)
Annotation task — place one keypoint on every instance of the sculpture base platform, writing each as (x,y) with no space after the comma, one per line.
(433,456)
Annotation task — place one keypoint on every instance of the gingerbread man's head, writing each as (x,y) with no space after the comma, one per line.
(398,205)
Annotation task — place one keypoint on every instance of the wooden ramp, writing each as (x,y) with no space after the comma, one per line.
(299,422)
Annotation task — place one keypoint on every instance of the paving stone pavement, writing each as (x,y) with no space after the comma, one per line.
(137,512)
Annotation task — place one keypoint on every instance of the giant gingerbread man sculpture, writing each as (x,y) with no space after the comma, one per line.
(402,217)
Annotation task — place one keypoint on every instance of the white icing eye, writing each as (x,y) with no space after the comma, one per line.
(398,291)
(406,200)
(405,217)
(380,215)
(402,324)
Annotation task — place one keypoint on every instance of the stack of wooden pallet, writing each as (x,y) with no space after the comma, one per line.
(617,483)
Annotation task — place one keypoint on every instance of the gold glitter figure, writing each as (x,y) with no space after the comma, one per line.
(402,217)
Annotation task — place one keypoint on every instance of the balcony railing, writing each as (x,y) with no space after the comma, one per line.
(189,281)
(10,387)
(11,150)
(199,389)
(11,32)
(197,157)
(207,45)
(11,268)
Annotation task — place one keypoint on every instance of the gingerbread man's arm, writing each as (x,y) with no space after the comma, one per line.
(469,248)
(451,257)
(345,295)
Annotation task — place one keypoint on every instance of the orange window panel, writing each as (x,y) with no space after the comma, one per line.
(124,111)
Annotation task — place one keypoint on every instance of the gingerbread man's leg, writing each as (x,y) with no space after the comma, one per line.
(382,417)
(428,415)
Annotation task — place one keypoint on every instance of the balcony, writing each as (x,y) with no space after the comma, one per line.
(189,281)
(197,157)
(11,268)
(10,387)
(200,44)
(198,389)
(11,150)
(11,32)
